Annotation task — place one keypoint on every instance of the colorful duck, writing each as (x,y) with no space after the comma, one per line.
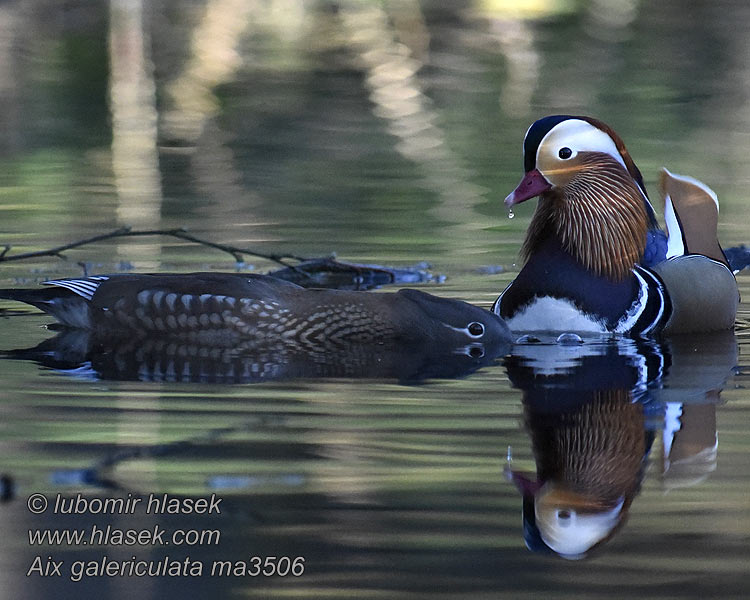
(595,258)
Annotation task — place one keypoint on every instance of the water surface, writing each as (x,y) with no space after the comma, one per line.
(386,135)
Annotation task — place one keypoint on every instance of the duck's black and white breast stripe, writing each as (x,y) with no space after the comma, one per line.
(651,309)
(566,298)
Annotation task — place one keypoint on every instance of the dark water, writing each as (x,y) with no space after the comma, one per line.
(386,135)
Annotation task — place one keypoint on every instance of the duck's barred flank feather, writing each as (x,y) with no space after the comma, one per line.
(600,218)
(197,317)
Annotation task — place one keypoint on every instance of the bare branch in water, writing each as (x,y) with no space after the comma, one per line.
(181,233)
(307,272)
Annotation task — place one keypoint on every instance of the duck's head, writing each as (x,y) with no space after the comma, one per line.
(453,324)
(592,196)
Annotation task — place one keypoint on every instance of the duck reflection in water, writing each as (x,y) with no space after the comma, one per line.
(594,411)
(84,354)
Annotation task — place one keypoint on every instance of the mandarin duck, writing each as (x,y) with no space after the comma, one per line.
(595,257)
(224,309)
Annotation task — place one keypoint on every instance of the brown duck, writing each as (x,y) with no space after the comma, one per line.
(224,308)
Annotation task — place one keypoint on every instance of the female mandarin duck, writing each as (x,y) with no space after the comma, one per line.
(595,259)
(229,308)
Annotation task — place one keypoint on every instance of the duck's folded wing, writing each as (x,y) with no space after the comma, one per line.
(75,301)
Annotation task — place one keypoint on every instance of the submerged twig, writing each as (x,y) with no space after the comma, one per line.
(181,233)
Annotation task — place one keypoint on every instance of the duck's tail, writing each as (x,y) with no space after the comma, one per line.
(65,306)
(691,211)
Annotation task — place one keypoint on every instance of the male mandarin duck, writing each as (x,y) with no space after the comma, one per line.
(229,308)
(595,258)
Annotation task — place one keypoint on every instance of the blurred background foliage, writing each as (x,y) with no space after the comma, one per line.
(381,130)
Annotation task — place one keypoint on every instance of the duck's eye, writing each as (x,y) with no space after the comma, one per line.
(565,152)
(476,329)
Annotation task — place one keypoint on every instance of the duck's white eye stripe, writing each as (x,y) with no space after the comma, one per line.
(85,287)
(580,136)
(475,329)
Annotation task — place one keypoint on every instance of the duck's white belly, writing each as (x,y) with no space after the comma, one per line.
(554,314)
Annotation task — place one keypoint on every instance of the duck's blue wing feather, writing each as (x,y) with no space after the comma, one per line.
(656,248)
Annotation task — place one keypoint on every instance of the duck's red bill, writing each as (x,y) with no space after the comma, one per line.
(532,184)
